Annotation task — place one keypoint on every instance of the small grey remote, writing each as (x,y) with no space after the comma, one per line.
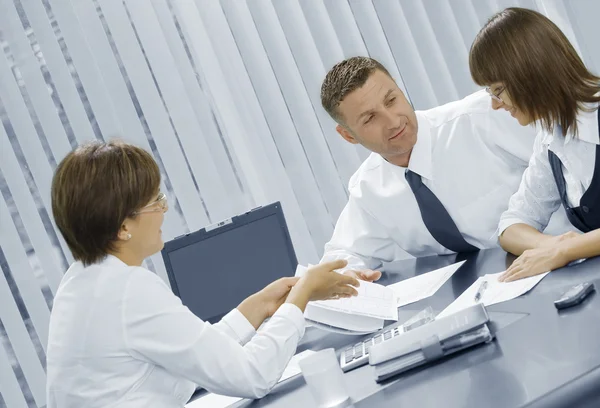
(574,295)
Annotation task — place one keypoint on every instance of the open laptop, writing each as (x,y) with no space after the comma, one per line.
(212,270)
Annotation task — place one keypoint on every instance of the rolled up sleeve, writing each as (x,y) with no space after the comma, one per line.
(537,197)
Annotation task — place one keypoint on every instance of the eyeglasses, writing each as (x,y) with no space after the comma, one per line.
(496,96)
(161,200)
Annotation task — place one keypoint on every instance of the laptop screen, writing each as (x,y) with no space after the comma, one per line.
(213,271)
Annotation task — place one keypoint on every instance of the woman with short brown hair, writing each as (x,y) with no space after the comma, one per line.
(118,335)
(531,70)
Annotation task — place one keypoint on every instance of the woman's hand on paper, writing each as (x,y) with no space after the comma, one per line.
(368,275)
(533,262)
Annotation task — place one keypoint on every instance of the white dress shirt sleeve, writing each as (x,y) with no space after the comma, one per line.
(159,329)
(514,142)
(361,239)
(538,197)
(236,326)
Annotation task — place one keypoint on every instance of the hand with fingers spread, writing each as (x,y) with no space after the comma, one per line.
(533,262)
(322,282)
(368,275)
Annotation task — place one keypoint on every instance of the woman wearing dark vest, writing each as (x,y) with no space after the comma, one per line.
(531,70)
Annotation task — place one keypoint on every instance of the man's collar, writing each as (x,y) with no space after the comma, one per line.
(421,159)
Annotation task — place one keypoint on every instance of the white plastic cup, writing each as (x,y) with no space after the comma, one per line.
(325,379)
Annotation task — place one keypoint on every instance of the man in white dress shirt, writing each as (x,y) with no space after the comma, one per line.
(467,156)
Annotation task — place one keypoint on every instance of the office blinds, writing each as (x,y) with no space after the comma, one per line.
(225,95)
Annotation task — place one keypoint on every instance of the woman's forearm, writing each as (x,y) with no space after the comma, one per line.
(583,246)
(518,238)
(254,307)
(299,295)
(253,310)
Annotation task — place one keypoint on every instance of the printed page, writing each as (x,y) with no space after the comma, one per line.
(423,286)
(340,322)
(373,300)
(496,292)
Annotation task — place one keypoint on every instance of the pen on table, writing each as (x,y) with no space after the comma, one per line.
(466,340)
(480,291)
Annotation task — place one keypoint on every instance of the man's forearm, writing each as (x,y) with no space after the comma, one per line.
(518,238)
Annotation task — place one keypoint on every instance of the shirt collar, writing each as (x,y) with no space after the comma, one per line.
(421,158)
(587,122)
(111,260)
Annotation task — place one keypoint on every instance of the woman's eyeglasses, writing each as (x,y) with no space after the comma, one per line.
(496,95)
(160,204)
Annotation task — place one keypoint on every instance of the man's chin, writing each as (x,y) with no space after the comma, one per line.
(401,153)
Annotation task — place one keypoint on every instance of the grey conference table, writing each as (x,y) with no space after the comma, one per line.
(540,357)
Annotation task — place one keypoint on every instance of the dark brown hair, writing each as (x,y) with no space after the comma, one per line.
(94,189)
(539,67)
(345,77)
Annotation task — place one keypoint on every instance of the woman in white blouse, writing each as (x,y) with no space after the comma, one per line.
(118,335)
(532,70)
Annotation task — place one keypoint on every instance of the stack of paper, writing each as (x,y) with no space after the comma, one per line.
(495,292)
(422,286)
(365,312)
(221,401)
(375,303)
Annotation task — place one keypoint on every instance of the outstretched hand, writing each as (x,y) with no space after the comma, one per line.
(368,275)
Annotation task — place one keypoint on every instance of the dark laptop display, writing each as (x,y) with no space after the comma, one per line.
(214,269)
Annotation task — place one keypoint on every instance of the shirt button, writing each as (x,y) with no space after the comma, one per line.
(585,209)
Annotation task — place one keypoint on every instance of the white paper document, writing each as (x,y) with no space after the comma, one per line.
(341,322)
(364,313)
(373,300)
(422,286)
(221,401)
(495,292)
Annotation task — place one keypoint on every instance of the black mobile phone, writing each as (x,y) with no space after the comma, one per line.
(574,295)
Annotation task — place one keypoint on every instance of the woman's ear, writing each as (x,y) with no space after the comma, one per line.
(124,232)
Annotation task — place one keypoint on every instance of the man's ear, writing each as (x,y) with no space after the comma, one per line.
(346,134)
